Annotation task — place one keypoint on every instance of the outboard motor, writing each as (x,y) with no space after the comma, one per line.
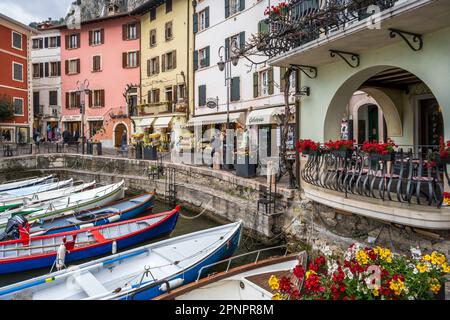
(12,228)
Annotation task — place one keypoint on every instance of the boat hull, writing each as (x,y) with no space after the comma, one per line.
(30,263)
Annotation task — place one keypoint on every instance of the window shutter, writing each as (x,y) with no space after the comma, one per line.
(138,30)
(157,95)
(102,36)
(58,41)
(78,101)
(148,67)
(271,84)
(67,99)
(207,56)
(138,58)
(149,96)
(78,40)
(59,68)
(67,42)
(124,32)
(175,94)
(157,64)
(102,98)
(255,84)
(241,5)
(207,17)
(67,67)
(242,40)
(163,63)
(41,43)
(174,57)
(78,65)
(202,95)
(124,60)
(195,60)
(91,98)
(227,48)
(46,42)
(235,89)
(41,70)
(46,70)
(91,37)
(227,8)
(282,81)
(195,22)
(263,26)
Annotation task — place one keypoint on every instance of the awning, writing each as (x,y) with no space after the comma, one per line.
(216,118)
(145,123)
(162,122)
(264,116)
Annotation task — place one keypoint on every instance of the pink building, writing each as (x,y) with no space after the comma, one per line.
(104,55)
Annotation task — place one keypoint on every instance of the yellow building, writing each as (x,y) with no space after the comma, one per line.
(166,68)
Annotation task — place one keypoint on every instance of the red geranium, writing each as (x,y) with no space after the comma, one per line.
(305,146)
(340,145)
(379,148)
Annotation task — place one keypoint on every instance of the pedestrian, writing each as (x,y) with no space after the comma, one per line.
(123,145)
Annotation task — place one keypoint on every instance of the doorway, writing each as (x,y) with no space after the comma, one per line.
(120,130)
(431,124)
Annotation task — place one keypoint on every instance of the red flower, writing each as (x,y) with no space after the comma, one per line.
(299,272)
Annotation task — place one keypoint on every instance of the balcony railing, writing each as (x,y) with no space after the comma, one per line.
(404,177)
(38,110)
(163,107)
(306,20)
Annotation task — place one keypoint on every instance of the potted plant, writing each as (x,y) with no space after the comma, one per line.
(340,148)
(380,151)
(307,146)
(275,13)
(246,164)
(443,155)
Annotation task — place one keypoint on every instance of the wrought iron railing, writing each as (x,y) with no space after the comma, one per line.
(401,176)
(306,20)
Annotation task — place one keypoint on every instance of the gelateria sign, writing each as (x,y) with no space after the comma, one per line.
(264,116)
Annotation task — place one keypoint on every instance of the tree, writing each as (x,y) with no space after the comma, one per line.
(6,108)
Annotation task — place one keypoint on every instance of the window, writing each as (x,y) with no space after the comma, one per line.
(203,19)
(72,100)
(202,95)
(181,92)
(169,94)
(263,26)
(234,43)
(17,71)
(36,70)
(73,66)
(153,96)
(54,42)
(73,41)
(153,66)
(130,59)
(203,57)
(94,127)
(265,83)
(168,6)
(130,31)
(152,14)
(96,63)
(153,38)
(235,89)
(96,37)
(16,40)
(53,98)
(18,106)
(97,99)
(169,31)
(38,43)
(169,61)
(55,69)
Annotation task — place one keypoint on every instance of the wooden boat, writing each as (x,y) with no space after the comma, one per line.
(68,205)
(247,282)
(14,198)
(39,252)
(24,183)
(140,273)
(114,212)
(43,196)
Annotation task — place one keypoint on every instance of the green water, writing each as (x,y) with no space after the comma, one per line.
(184,226)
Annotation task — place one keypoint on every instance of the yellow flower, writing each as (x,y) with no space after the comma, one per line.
(274,283)
(276,296)
(437,258)
(362,257)
(397,286)
(445,267)
(427,257)
(309,272)
(376,293)
(435,286)
(422,267)
(384,254)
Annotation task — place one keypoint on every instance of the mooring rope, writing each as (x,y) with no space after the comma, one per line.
(199,215)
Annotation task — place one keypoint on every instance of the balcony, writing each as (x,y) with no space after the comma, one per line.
(152,109)
(402,188)
(52,112)
(38,110)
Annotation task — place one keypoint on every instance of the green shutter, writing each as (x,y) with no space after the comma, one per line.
(255,84)
(241,5)
(195,22)
(242,40)
(235,89)
(227,48)
(282,81)
(202,95)
(227,8)
(263,26)
(195,60)
(271,84)
(207,17)
(207,57)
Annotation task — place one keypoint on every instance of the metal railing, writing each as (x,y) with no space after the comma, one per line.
(15,149)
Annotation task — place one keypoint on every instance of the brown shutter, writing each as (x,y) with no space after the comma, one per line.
(78,65)
(163,63)
(78,40)
(67,66)
(102,36)
(157,64)
(124,60)
(67,41)
(91,37)
(157,95)
(138,57)
(91,94)
(175,93)
(174,57)
(102,98)
(138,30)
(124,32)
(78,101)
(148,67)
(67,100)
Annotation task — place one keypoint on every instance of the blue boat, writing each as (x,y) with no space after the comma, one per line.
(113,212)
(142,273)
(61,248)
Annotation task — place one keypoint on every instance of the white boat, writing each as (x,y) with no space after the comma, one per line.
(43,196)
(247,282)
(23,183)
(141,273)
(67,205)
(50,184)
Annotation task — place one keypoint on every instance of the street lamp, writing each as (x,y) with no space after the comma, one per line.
(225,65)
(83,88)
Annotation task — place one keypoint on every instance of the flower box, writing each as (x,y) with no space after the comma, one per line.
(441,160)
(150,153)
(342,153)
(246,167)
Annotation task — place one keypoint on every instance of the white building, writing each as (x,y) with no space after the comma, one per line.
(255,93)
(46,77)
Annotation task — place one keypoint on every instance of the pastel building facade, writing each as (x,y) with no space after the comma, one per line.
(104,58)
(15,82)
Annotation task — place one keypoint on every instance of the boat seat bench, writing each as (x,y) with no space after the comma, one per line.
(90,284)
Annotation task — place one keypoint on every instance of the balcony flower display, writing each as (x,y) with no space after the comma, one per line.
(276,12)
(340,147)
(380,150)
(365,274)
(307,146)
